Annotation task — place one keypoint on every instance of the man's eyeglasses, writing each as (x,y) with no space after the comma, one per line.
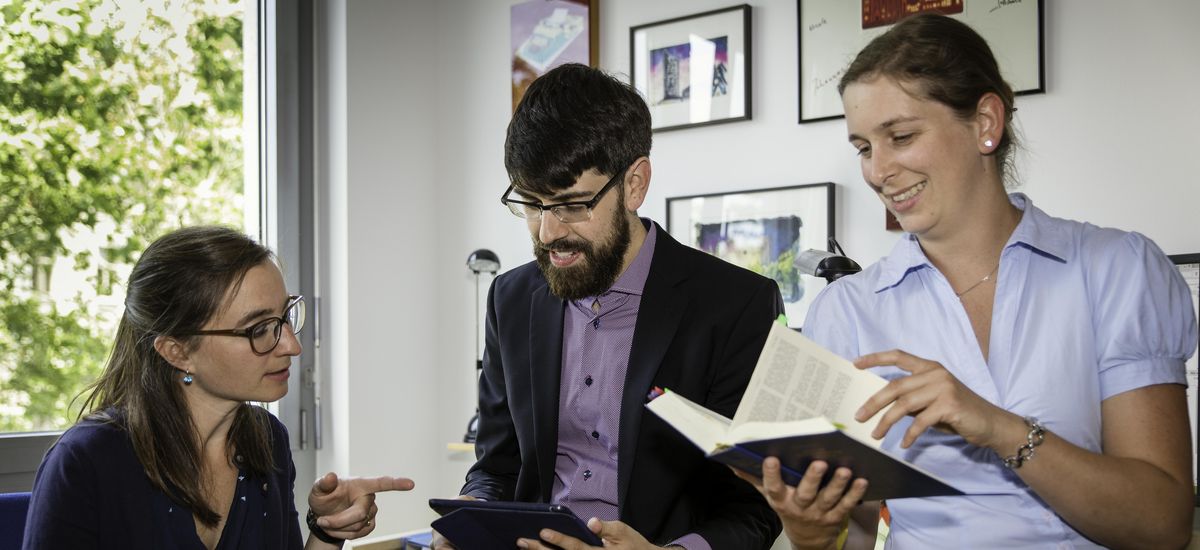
(264,335)
(566,212)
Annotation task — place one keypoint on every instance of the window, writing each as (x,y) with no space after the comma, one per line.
(102,150)
(118,123)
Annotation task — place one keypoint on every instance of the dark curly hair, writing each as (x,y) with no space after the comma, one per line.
(573,119)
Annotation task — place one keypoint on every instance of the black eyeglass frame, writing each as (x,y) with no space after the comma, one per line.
(248,332)
(589,204)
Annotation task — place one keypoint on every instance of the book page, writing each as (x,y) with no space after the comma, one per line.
(753,431)
(797,379)
(706,429)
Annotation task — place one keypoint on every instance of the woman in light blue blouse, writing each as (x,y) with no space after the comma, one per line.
(1036,363)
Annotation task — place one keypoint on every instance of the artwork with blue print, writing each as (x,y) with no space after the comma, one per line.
(671,77)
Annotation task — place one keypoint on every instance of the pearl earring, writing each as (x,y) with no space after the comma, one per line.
(987,143)
(187,378)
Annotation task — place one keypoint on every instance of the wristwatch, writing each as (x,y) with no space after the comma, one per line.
(316,531)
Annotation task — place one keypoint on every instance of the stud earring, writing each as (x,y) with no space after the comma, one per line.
(987,143)
(187,378)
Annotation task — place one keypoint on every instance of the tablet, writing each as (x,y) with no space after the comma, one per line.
(490,524)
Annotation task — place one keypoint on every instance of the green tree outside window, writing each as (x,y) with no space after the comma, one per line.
(116,125)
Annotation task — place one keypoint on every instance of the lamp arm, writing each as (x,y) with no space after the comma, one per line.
(478,359)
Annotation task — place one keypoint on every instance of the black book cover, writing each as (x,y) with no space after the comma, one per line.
(889,477)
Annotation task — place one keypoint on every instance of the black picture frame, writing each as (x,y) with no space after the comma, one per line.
(762,230)
(660,60)
(1189,267)
(836,30)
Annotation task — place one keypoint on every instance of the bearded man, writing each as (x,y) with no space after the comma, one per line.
(611,309)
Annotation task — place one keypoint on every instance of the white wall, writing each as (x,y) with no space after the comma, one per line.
(426,102)
(376,113)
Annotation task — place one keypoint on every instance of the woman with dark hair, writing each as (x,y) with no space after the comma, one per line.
(1035,363)
(169,453)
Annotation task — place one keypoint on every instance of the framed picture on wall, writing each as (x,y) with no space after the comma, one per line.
(694,70)
(762,230)
(544,34)
(833,31)
(1189,267)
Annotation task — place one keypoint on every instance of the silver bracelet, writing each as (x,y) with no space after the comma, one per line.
(1037,434)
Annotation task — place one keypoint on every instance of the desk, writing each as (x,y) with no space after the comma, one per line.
(461,447)
(412,540)
(417,541)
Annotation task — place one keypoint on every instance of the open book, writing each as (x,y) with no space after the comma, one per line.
(800,407)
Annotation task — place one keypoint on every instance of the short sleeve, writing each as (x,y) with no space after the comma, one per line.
(1144,323)
(829,322)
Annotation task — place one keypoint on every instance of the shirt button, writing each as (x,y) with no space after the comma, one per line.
(587,381)
(587,474)
(595,435)
(264,487)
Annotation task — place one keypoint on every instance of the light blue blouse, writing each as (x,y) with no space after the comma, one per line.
(1082,313)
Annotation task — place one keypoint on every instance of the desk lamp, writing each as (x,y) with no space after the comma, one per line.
(827,265)
(480,261)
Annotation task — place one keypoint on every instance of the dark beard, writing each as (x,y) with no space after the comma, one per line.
(603,264)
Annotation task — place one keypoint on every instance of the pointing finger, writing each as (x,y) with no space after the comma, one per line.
(384,483)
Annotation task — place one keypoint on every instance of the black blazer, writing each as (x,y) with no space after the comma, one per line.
(701,325)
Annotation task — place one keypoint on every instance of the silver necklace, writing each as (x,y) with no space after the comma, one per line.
(985,279)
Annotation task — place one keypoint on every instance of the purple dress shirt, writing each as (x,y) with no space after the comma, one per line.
(597,339)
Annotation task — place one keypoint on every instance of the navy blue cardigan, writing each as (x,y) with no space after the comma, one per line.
(91,493)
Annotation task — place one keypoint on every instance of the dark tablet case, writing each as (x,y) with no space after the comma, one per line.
(497,525)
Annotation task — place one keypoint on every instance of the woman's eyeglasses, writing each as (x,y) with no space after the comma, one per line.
(264,335)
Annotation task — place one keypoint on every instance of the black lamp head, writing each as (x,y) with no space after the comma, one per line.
(836,267)
(483,261)
(827,265)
